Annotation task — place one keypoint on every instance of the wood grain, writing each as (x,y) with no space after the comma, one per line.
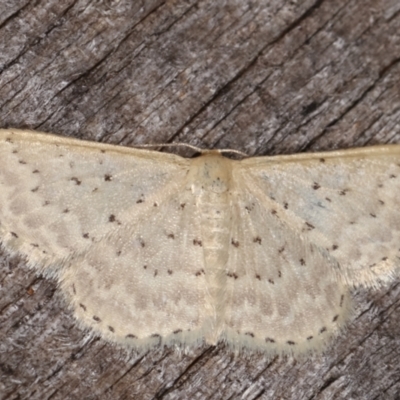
(262,77)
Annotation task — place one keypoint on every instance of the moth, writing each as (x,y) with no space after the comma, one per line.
(150,248)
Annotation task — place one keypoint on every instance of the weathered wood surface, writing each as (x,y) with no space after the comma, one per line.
(262,77)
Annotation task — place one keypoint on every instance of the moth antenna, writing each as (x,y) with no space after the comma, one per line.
(189,146)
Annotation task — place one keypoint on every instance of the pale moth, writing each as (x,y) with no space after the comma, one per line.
(150,248)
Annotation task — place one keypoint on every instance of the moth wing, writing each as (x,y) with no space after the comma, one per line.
(282,297)
(344,202)
(59,196)
(145,284)
(118,228)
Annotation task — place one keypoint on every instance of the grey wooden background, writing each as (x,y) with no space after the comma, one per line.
(264,77)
